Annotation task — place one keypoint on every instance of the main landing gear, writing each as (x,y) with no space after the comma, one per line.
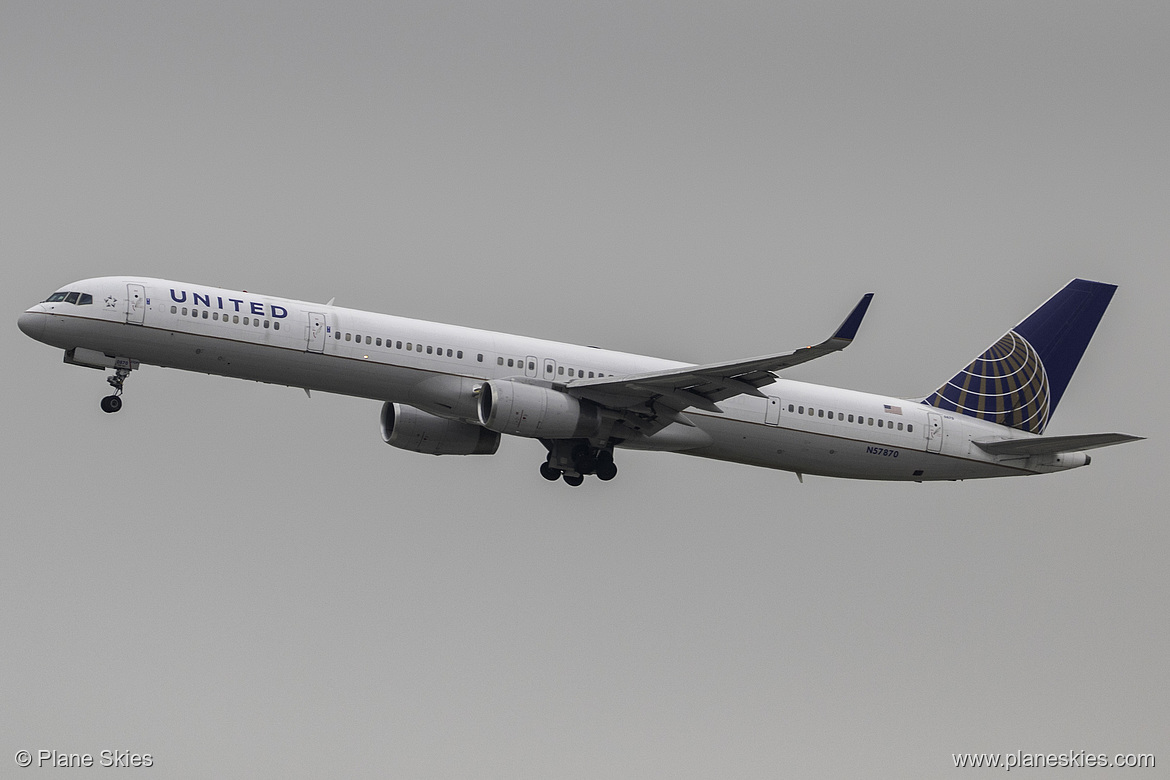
(573,461)
(112,403)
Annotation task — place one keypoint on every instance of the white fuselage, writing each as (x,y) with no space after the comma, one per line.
(800,427)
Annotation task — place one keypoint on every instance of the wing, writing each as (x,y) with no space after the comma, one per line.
(1051,445)
(660,396)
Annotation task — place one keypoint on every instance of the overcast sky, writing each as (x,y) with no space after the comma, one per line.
(242,581)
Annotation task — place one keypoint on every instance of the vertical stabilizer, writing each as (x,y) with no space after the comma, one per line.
(1019,380)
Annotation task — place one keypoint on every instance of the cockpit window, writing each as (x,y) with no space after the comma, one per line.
(79,298)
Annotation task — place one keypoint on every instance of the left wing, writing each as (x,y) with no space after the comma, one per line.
(667,393)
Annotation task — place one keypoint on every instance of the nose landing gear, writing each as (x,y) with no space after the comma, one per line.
(112,403)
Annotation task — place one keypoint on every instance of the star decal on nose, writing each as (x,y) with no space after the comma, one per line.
(111,301)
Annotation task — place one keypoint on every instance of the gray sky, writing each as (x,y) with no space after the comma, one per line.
(242,581)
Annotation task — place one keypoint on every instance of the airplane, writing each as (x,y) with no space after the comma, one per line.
(453,390)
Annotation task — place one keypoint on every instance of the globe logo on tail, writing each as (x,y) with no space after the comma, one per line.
(1007,384)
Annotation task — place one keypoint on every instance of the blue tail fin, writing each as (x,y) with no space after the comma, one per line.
(1019,380)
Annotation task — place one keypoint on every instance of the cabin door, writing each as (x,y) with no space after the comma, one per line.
(772,413)
(315,336)
(135,304)
(934,432)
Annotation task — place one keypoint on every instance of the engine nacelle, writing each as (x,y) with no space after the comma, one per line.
(411,429)
(521,409)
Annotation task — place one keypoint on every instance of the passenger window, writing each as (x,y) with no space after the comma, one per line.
(184,311)
(801,410)
(571,372)
(368,340)
(174,310)
(459,354)
(479,357)
(348,336)
(820,412)
(398,345)
(429,351)
(378,342)
(850,418)
(337,335)
(790,408)
(830,415)
(449,353)
(561,370)
(195,313)
(275,325)
(205,314)
(880,423)
(267,323)
(246,322)
(811,411)
(899,426)
(531,366)
(871,421)
(499,361)
(71,298)
(409,347)
(215,315)
(511,362)
(909,427)
(255,322)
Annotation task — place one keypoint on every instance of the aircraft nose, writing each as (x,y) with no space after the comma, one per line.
(32,323)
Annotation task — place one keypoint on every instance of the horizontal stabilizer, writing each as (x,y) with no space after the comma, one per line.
(1050,445)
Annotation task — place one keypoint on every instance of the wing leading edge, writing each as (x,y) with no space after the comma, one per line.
(704,386)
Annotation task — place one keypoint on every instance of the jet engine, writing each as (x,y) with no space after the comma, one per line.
(522,409)
(408,428)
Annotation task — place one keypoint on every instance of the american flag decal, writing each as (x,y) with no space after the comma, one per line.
(892,409)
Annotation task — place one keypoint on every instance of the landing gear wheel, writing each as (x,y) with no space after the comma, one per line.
(112,403)
(549,473)
(573,479)
(606,470)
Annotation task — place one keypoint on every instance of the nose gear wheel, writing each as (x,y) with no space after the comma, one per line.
(113,403)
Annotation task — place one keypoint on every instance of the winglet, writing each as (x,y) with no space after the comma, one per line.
(848,329)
